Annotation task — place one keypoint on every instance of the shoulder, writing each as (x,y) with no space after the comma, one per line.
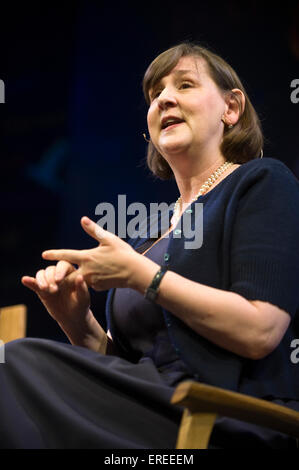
(267,166)
(266,176)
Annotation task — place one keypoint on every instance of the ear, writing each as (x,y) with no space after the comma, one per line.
(235,105)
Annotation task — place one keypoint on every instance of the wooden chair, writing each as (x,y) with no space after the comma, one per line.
(12,322)
(203,403)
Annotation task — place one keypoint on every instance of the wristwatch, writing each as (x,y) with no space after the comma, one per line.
(153,289)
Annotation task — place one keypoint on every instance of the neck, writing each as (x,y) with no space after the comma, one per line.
(190,181)
(211,181)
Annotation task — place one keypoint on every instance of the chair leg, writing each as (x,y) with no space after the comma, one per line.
(195,430)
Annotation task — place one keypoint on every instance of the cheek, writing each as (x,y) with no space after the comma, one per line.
(148,120)
(216,103)
(208,118)
(208,103)
(152,120)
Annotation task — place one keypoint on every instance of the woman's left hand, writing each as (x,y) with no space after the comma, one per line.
(106,266)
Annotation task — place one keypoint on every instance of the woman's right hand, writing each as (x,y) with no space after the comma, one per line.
(66,297)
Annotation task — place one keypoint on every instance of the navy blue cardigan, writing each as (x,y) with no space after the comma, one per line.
(250,246)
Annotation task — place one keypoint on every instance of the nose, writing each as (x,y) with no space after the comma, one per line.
(166,98)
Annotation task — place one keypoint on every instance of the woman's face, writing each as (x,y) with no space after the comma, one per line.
(186,109)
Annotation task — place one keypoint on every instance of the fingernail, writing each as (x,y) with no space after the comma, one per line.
(86,221)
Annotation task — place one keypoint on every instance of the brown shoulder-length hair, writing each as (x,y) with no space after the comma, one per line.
(241,143)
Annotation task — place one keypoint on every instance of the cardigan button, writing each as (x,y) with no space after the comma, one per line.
(166,257)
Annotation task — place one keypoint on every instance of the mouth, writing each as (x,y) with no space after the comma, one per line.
(170,123)
(172,126)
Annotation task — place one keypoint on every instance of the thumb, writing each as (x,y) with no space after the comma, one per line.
(96,231)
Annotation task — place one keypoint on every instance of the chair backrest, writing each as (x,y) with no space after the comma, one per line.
(13,321)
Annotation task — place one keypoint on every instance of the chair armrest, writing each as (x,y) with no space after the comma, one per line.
(198,397)
(12,322)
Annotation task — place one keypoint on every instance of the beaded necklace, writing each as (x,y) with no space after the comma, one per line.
(207,184)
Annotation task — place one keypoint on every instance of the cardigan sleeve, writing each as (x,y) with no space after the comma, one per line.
(265,235)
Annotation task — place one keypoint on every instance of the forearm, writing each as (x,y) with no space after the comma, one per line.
(88,334)
(225,318)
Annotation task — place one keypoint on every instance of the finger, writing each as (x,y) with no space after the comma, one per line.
(50,274)
(72,256)
(50,278)
(70,280)
(31,283)
(95,230)
(63,269)
(41,280)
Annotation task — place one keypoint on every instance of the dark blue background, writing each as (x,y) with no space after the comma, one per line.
(71,128)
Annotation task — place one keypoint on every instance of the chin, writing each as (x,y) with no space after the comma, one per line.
(173,147)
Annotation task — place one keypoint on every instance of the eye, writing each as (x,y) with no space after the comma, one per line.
(185,85)
(155,94)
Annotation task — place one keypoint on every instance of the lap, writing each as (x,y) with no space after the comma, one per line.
(54,395)
(69,397)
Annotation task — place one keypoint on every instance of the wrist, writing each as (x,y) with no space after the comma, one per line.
(142,272)
(86,333)
(152,291)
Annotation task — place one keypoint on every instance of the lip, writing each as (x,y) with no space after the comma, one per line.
(168,128)
(166,118)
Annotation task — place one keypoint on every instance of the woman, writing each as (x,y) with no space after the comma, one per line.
(223,314)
